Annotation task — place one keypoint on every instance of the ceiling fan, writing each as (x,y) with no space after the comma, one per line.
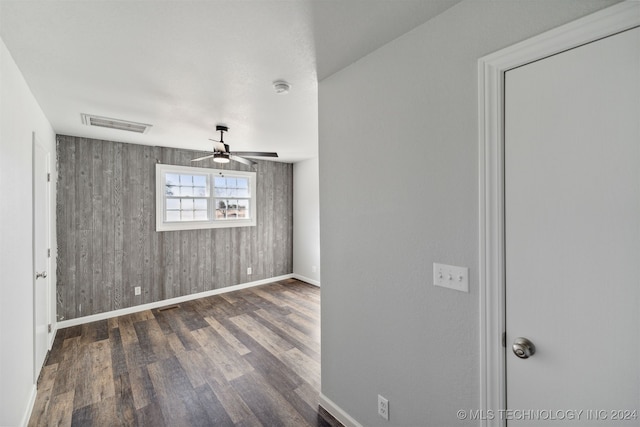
(221,153)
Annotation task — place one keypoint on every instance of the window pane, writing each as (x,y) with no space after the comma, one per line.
(187,215)
(186,180)
(200,215)
(200,192)
(200,204)
(187,204)
(172,179)
(173,215)
(186,191)
(173,203)
(243,182)
(220,182)
(243,192)
(231,209)
(199,181)
(221,209)
(243,209)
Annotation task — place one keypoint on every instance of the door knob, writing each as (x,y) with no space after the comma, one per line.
(41,275)
(523,348)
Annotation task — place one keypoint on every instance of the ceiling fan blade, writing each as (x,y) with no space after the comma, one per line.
(254,153)
(242,160)
(202,158)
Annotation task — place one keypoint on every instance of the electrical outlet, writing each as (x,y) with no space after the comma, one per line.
(137,290)
(249,272)
(383,407)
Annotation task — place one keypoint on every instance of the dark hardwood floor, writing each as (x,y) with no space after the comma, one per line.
(244,358)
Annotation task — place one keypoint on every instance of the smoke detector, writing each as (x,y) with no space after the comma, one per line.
(281,87)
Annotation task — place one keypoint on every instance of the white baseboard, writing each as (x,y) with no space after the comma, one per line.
(129,310)
(306,279)
(32,400)
(337,412)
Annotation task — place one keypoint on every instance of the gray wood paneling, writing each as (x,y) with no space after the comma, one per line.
(107,243)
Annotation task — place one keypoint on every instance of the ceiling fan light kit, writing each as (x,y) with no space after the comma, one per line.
(222,154)
(220,158)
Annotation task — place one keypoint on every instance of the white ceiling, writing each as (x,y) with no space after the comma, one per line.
(185,66)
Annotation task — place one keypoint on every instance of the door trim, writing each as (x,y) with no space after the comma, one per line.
(491,71)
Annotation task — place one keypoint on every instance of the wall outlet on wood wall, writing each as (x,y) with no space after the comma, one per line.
(248,271)
(137,290)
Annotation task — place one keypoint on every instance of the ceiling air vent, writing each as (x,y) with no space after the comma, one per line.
(106,122)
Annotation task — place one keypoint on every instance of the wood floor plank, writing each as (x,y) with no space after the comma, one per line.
(59,412)
(214,408)
(221,354)
(288,329)
(199,368)
(177,398)
(178,326)
(150,415)
(141,387)
(303,365)
(175,344)
(94,375)
(45,385)
(269,296)
(124,405)
(261,334)
(227,336)
(266,402)
(67,373)
(235,406)
(306,325)
(118,357)
(244,358)
(153,341)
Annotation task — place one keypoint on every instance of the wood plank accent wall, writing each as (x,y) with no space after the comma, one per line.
(107,243)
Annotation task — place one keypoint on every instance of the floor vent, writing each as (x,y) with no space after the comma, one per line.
(106,122)
(169,307)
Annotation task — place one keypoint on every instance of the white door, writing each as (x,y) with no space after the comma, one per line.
(572,235)
(40,253)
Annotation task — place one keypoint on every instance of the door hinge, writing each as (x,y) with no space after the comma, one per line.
(504,339)
(49,327)
(48,253)
(48,177)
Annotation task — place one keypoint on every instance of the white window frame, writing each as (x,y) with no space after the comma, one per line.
(161,200)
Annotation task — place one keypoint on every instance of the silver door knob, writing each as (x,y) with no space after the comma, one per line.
(523,348)
(41,275)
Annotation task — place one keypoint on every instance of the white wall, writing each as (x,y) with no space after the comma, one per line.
(20,115)
(399,191)
(306,221)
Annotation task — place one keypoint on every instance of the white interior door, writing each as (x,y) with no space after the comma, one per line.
(572,235)
(41,264)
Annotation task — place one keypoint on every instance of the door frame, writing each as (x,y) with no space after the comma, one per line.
(491,71)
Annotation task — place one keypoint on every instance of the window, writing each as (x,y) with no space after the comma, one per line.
(190,198)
